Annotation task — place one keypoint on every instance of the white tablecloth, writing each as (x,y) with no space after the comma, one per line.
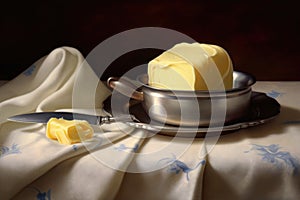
(261,162)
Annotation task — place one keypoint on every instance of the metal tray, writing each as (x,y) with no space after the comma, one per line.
(262,109)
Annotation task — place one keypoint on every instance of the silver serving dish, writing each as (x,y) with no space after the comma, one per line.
(262,110)
(190,108)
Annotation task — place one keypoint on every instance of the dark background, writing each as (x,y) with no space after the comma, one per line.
(262,37)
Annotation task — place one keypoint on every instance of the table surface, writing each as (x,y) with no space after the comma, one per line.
(122,162)
(261,161)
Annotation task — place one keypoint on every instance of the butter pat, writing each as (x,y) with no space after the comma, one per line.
(192,67)
(68,131)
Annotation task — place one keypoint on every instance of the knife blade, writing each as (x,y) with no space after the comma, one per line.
(44,117)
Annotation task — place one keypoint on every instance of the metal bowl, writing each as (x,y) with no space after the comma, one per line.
(190,108)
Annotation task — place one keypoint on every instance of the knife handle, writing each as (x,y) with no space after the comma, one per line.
(104,120)
(119,118)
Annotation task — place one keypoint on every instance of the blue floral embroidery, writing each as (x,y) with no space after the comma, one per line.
(75,147)
(176,165)
(29,71)
(42,195)
(273,155)
(274,94)
(123,147)
(4,150)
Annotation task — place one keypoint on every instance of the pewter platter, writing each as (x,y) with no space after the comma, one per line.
(262,109)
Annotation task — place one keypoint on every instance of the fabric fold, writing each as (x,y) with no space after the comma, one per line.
(42,79)
(47,85)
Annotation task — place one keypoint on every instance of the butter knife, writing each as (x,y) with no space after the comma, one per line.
(44,117)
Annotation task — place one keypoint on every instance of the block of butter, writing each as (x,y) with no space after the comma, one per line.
(68,131)
(192,66)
